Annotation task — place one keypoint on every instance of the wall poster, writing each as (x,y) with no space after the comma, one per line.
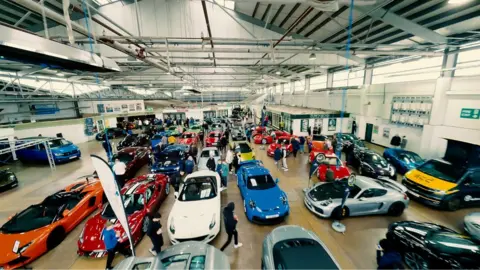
(375,129)
(304,125)
(386,132)
(117,109)
(131,107)
(139,106)
(108,108)
(332,124)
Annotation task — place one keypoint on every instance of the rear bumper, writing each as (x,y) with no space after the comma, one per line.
(63,159)
(9,185)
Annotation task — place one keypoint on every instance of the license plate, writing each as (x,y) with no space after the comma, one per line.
(272,216)
(413,193)
(72,157)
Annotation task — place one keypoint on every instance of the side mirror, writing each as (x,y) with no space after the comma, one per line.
(277,180)
(176,194)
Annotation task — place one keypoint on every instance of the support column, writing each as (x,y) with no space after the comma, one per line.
(307,91)
(449,63)
(292,87)
(329,80)
(367,75)
(282,88)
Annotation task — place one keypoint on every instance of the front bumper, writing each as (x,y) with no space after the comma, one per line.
(98,253)
(316,210)
(269,217)
(204,238)
(418,193)
(9,185)
(63,158)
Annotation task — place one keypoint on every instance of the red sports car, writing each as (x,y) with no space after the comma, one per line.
(265,138)
(259,130)
(341,171)
(213,138)
(141,196)
(188,138)
(319,147)
(134,157)
(278,144)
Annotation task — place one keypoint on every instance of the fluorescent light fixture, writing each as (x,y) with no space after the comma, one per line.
(278,72)
(150,85)
(458,2)
(60,74)
(312,56)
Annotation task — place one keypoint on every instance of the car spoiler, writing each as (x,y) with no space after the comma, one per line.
(88,176)
(395,185)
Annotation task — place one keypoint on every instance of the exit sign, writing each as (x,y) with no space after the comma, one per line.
(470,113)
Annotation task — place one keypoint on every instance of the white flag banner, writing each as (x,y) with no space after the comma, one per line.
(112,192)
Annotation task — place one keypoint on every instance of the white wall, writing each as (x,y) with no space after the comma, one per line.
(17,112)
(74,133)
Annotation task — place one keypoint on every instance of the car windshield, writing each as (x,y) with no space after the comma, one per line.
(359,143)
(199,188)
(333,161)
(375,159)
(444,171)
(123,157)
(244,148)
(260,182)
(170,155)
(214,135)
(58,142)
(188,135)
(347,137)
(206,153)
(34,217)
(409,157)
(172,128)
(131,202)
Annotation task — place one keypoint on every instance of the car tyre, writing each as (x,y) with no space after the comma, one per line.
(396,209)
(415,261)
(167,188)
(453,204)
(55,238)
(340,213)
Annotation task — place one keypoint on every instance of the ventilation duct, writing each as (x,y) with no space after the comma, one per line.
(20,46)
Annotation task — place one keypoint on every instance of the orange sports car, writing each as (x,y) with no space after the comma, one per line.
(42,227)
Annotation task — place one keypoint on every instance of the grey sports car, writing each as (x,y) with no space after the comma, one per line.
(293,247)
(367,196)
(204,155)
(471,223)
(187,255)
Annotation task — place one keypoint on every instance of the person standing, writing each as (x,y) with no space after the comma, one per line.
(231,221)
(295,146)
(222,170)
(229,160)
(110,239)
(119,168)
(211,162)
(273,135)
(277,156)
(236,161)
(301,141)
(200,137)
(223,145)
(189,165)
(248,133)
(108,147)
(387,256)
(284,157)
(354,127)
(154,231)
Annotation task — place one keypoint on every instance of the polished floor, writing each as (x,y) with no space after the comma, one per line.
(353,249)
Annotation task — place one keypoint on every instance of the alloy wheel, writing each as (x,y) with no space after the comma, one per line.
(414,261)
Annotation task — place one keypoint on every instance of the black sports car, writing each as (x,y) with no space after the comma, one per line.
(134,140)
(112,133)
(372,164)
(431,246)
(8,180)
(346,139)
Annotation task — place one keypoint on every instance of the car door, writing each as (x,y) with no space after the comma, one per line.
(470,188)
(152,196)
(366,202)
(39,152)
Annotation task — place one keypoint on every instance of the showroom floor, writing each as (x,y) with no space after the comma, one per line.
(354,249)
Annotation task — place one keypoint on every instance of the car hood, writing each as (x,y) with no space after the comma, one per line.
(66,148)
(247,156)
(429,181)
(272,147)
(268,199)
(8,241)
(199,213)
(209,139)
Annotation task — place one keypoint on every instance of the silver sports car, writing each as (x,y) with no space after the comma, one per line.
(472,225)
(204,155)
(293,247)
(366,196)
(187,255)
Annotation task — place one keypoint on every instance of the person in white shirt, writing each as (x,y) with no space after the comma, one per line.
(119,168)
(229,160)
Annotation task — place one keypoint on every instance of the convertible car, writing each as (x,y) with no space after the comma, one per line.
(188,138)
(41,227)
(373,165)
(431,246)
(213,138)
(188,255)
(197,202)
(367,196)
(141,195)
(134,157)
(335,165)
(278,144)
(263,200)
(112,133)
(8,180)
(403,160)
(319,147)
(134,140)
(62,150)
(293,247)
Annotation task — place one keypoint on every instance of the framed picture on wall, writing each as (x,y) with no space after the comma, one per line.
(375,129)
(332,124)
(386,132)
(139,106)
(108,108)
(131,107)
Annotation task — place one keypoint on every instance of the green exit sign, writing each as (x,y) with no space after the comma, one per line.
(470,113)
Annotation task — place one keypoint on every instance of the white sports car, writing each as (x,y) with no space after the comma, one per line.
(204,155)
(196,212)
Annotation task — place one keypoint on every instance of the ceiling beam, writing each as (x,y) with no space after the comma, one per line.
(277,13)
(255,9)
(266,12)
(297,5)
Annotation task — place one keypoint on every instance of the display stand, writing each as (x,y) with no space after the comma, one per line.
(338,226)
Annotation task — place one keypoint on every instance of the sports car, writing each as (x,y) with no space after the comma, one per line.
(403,160)
(293,247)
(471,224)
(371,164)
(62,150)
(41,227)
(134,157)
(188,138)
(334,164)
(188,255)
(8,180)
(431,246)
(278,144)
(259,130)
(213,138)
(263,200)
(141,195)
(246,151)
(217,127)
(170,161)
(112,133)
(195,215)
(345,139)
(319,147)
(262,138)
(134,140)
(195,128)
(204,155)
(172,131)
(366,196)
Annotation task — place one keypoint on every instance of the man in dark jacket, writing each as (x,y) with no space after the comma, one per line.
(277,156)
(154,231)
(231,221)
(211,163)
(387,257)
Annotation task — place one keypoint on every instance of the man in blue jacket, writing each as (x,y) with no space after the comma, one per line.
(110,239)
(387,256)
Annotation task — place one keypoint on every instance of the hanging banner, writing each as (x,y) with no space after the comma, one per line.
(89,126)
(112,192)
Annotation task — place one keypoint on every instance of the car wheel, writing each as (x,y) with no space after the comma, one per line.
(264,141)
(453,204)
(340,213)
(55,238)
(415,261)
(146,223)
(396,209)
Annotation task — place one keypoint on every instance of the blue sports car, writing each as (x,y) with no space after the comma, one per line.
(170,160)
(263,200)
(403,160)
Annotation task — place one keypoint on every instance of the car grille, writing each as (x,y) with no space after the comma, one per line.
(318,210)
(417,188)
(70,153)
(18,260)
(269,220)
(200,238)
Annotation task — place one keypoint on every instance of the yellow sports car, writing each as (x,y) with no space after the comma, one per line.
(246,152)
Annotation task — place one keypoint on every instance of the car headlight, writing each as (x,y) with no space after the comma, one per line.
(326,203)
(252,204)
(172,227)
(177,168)
(284,199)
(12,177)
(443,192)
(57,154)
(213,222)
(80,238)
(24,248)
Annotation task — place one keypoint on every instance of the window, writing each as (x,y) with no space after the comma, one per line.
(149,193)
(197,263)
(348,78)
(142,266)
(176,261)
(415,70)
(473,178)
(318,82)
(260,182)
(468,63)
(198,189)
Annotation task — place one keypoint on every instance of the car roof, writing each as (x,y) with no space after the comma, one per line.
(40,138)
(256,170)
(301,257)
(366,182)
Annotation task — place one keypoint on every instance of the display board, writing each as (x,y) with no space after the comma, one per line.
(411,111)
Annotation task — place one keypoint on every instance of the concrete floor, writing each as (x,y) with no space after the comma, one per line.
(354,249)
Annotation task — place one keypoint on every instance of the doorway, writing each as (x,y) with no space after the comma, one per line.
(368,132)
